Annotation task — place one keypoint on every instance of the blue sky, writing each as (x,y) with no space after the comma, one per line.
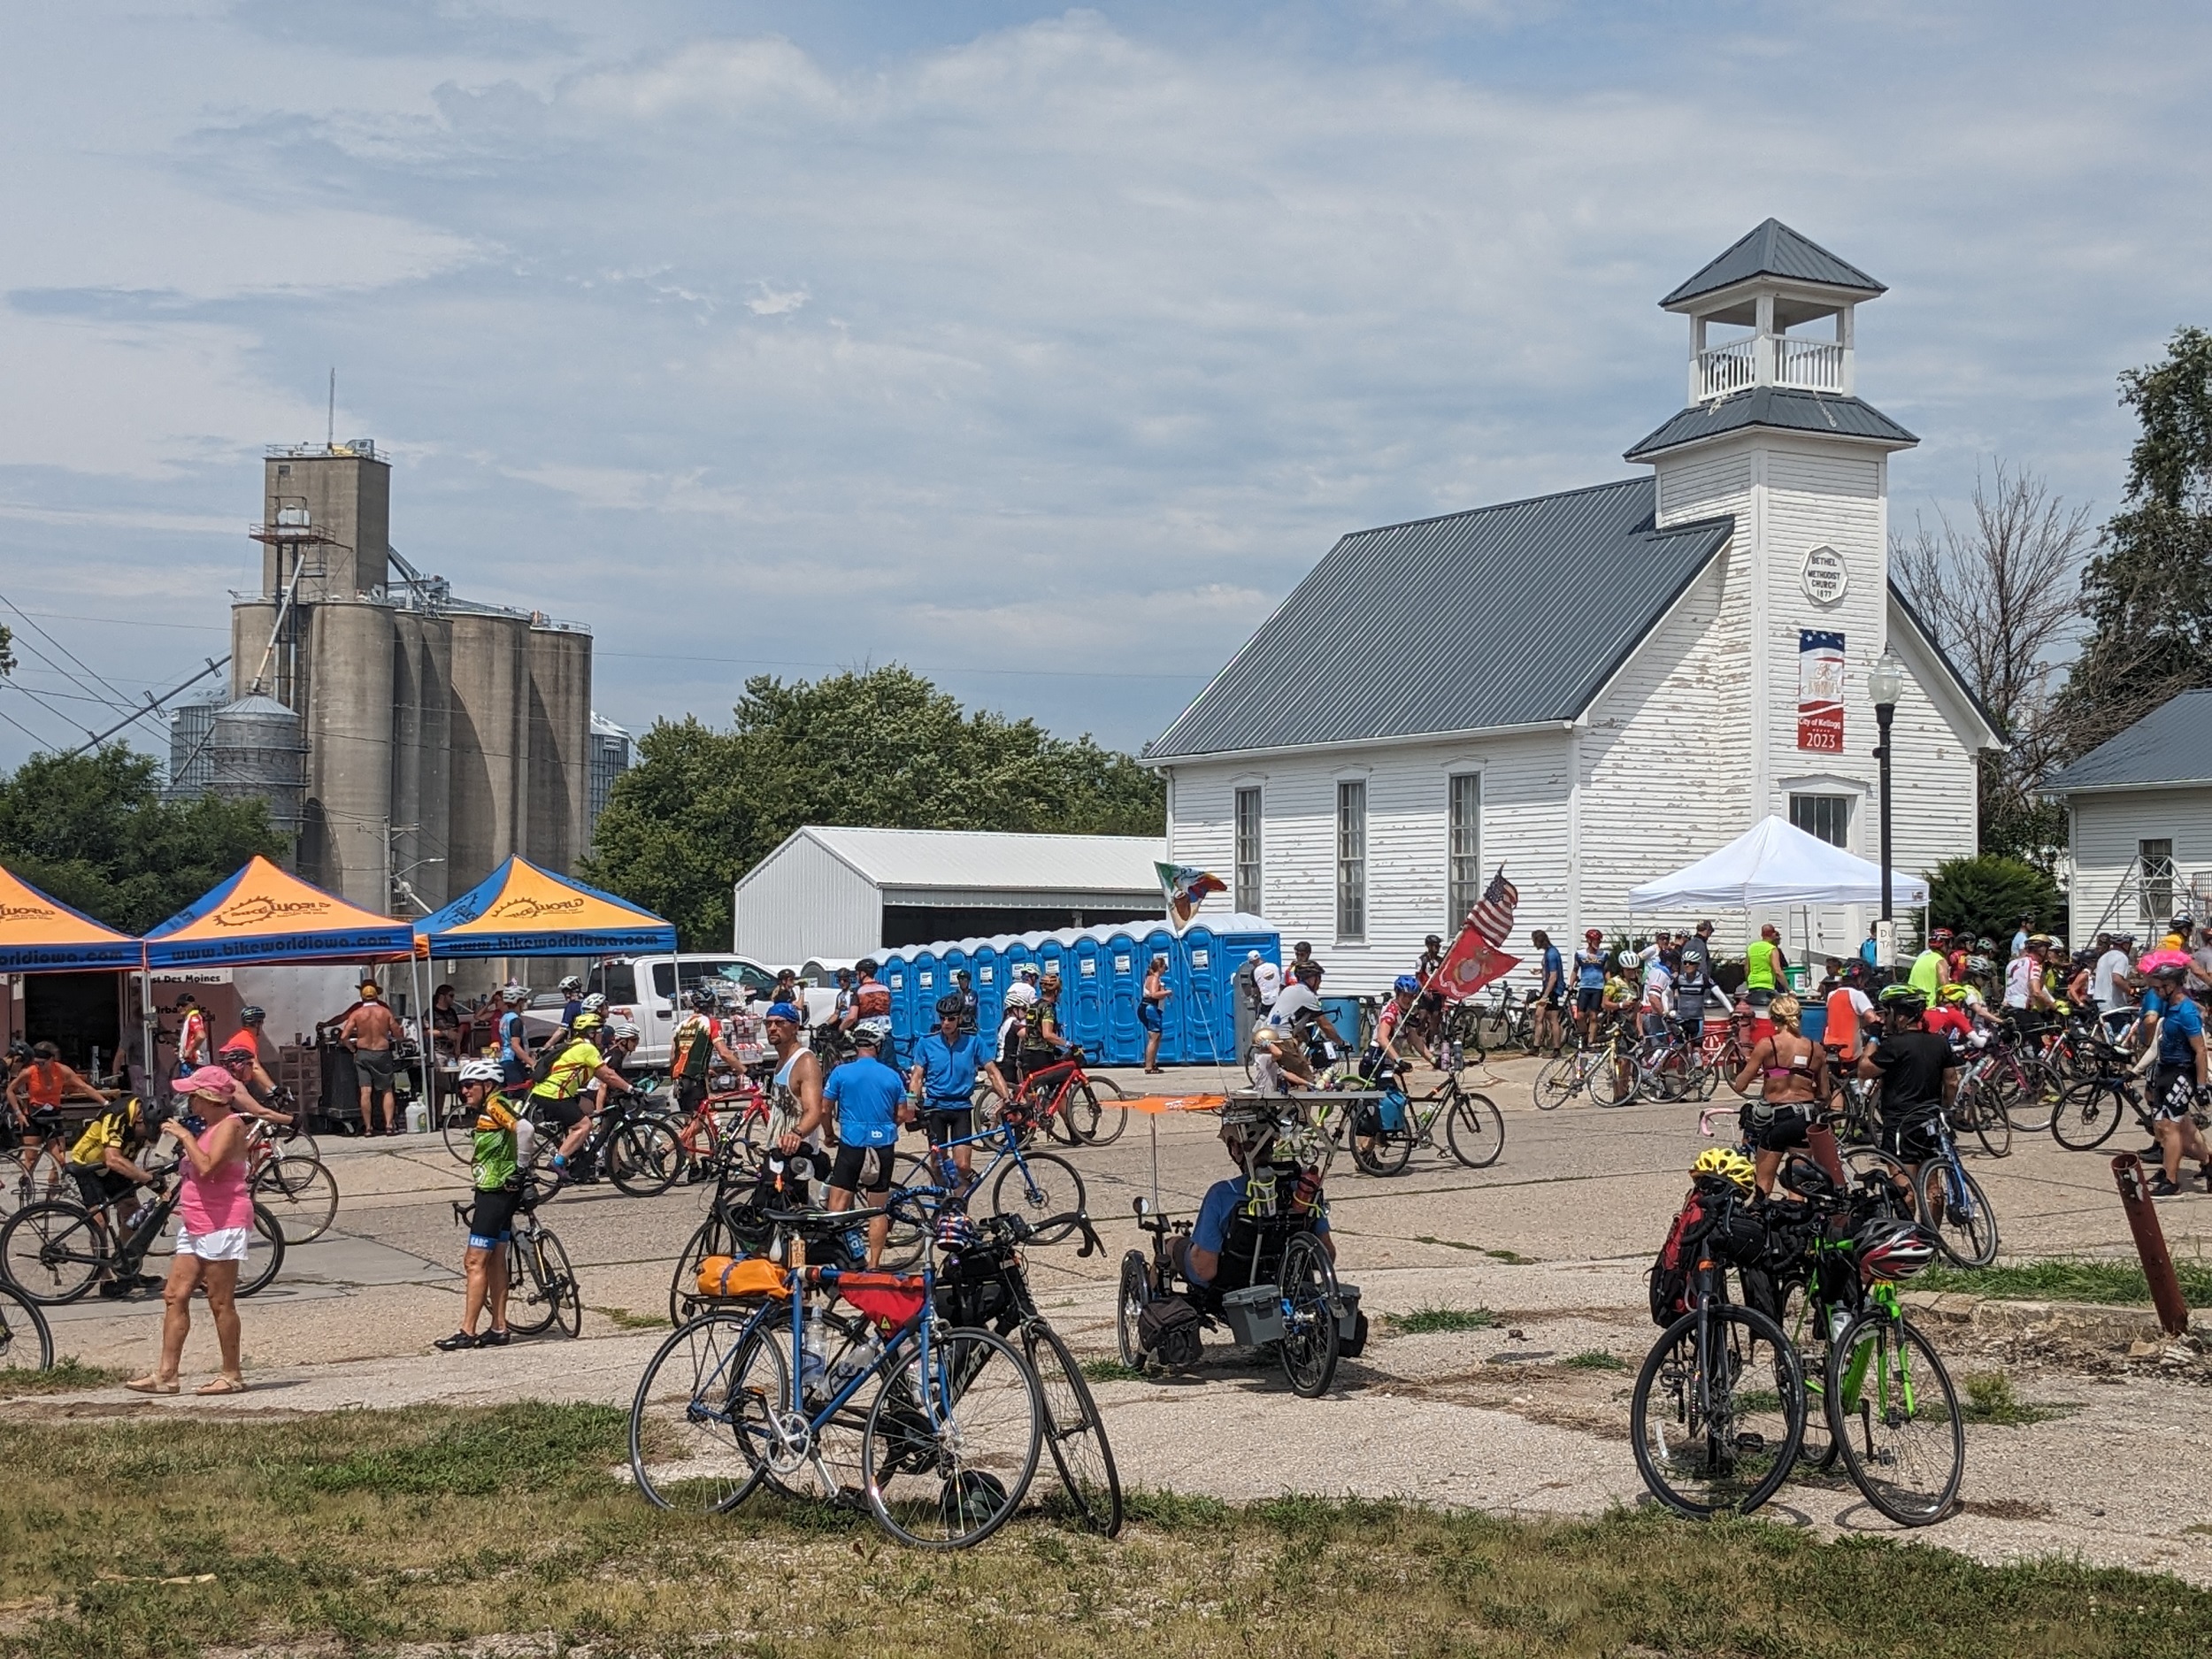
(1042,350)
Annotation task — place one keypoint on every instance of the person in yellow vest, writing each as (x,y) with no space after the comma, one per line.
(1929,968)
(1763,966)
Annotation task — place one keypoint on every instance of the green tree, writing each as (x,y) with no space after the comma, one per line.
(1988,895)
(883,748)
(2148,592)
(94,831)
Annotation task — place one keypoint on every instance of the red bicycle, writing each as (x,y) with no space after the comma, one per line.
(1064,1098)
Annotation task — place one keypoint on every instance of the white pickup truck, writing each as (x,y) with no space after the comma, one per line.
(643,989)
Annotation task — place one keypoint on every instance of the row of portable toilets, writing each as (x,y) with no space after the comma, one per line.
(1102,974)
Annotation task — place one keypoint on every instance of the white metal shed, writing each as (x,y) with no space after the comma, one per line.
(830,892)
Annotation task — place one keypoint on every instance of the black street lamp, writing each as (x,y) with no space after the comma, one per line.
(1885,683)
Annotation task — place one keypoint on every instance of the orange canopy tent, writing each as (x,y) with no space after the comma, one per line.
(266,915)
(39,934)
(521,911)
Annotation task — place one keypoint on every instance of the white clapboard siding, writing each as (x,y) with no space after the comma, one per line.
(2108,830)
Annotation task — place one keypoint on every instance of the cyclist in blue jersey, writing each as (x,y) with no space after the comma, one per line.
(941,1084)
(1590,982)
(868,1100)
(514,1058)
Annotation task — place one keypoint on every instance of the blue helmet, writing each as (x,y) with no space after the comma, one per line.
(1406,982)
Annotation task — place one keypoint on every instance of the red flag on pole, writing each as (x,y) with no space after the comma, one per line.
(1471,963)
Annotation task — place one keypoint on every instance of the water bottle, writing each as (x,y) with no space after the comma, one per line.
(855,1360)
(812,1367)
(1260,1198)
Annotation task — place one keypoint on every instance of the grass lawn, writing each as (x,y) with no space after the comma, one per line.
(358,1533)
(2064,1278)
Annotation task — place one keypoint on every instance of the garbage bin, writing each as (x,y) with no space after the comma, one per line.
(1800,979)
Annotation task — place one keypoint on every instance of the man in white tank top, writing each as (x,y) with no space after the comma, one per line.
(797,1113)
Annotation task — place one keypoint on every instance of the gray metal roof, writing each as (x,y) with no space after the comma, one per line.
(1774,406)
(1772,249)
(2172,744)
(998,860)
(1511,614)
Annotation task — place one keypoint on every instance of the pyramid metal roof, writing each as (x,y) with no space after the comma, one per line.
(1772,249)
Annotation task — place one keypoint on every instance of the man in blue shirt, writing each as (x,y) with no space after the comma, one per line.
(1551,993)
(1871,952)
(941,1082)
(1200,1253)
(2176,1077)
(866,1097)
(515,1062)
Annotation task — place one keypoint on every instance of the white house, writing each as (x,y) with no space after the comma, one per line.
(2138,810)
(1593,688)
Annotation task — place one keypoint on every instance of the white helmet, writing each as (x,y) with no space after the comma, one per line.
(515,996)
(595,1003)
(1020,995)
(621,1030)
(571,985)
(477,1071)
(1629,959)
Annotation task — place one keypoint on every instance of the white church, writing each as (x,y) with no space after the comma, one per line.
(1596,687)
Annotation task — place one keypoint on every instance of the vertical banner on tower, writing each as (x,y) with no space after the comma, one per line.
(1820,691)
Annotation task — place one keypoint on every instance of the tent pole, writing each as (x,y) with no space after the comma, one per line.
(146,1032)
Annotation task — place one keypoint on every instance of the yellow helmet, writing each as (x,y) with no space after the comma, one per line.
(1954,992)
(1727,1163)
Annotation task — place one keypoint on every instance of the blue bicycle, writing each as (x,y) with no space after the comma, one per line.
(1042,1189)
(778,1393)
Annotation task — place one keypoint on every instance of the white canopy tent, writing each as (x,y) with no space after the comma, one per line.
(1776,864)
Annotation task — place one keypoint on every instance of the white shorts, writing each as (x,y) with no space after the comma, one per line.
(225,1244)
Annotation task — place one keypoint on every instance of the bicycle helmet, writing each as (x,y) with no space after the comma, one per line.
(1952,994)
(1980,964)
(1904,1000)
(1594,935)
(477,1071)
(866,967)
(515,996)
(595,1003)
(251,1015)
(1021,995)
(702,999)
(1938,936)
(1728,1163)
(1406,983)
(241,1046)
(619,1030)
(2168,970)
(949,1007)
(586,1021)
(570,985)
(1893,1251)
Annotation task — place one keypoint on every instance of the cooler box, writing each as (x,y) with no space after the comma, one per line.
(1813,1022)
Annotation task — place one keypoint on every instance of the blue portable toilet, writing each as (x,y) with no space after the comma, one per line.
(897,974)
(922,993)
(1083,1002)
(1235,949)
(1123,968)
(953,961)
(1207,1032)
(1018,956)
(990,988)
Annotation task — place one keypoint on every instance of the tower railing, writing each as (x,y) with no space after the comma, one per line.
(1806,365)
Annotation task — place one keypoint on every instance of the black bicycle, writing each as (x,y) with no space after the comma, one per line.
(26,1340)
(631,1142)
(56,1250)
(541,1290)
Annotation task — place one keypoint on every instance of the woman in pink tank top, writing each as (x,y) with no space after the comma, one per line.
(215,1219)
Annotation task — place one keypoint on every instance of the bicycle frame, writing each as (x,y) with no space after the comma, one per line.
(1006,1143)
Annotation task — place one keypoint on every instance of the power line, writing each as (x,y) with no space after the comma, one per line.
(58,646)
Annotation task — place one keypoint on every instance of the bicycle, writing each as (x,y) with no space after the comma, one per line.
(1037,1183)
(542,1288)
(1474,1129)
(56,1250)
(947,1448)
(1730,1398)
(1946,1200)
(296,1187)
(630,1140)
(1605,1070)
(2090,1109)
(987,1284)
(27,1340)
(1062,1097)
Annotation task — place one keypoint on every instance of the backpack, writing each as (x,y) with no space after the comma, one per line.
(549,1057)
(694,1050)
(1671,1268)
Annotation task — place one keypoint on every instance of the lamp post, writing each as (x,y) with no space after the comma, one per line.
(1884,683)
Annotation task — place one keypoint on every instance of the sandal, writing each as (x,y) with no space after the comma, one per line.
(151,1385)
(220,1385)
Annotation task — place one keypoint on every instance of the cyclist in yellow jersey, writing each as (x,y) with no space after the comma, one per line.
(1763,966)
(559,1098)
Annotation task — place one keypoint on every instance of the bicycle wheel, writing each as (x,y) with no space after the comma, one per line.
(1954,1211)
(1074,1432)
(1037,1186)
(698,1422)
(1558,1081)
(264,1251)
(534,1294)
(1617,1080)
(52,1251)
(302,1195)
(1993,1127)
(1816,1445)
(457,1126)
(1098,1122)
(1475,1130)
(1895,1416)
(948,1473)
(708,1238)
(1858,1161)
(2032,1105)
(1380,1151)
(1310,1338)
(2088,1112)
(644,1158)
(1716,1431)
(1136,1291)
(26,1340)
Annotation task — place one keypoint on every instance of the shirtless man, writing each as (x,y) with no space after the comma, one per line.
(369,1030)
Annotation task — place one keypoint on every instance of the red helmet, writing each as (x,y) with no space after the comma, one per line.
(1938,936)
(1895,1251)
(1595,935)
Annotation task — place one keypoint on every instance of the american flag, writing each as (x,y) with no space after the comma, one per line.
(1492,914)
